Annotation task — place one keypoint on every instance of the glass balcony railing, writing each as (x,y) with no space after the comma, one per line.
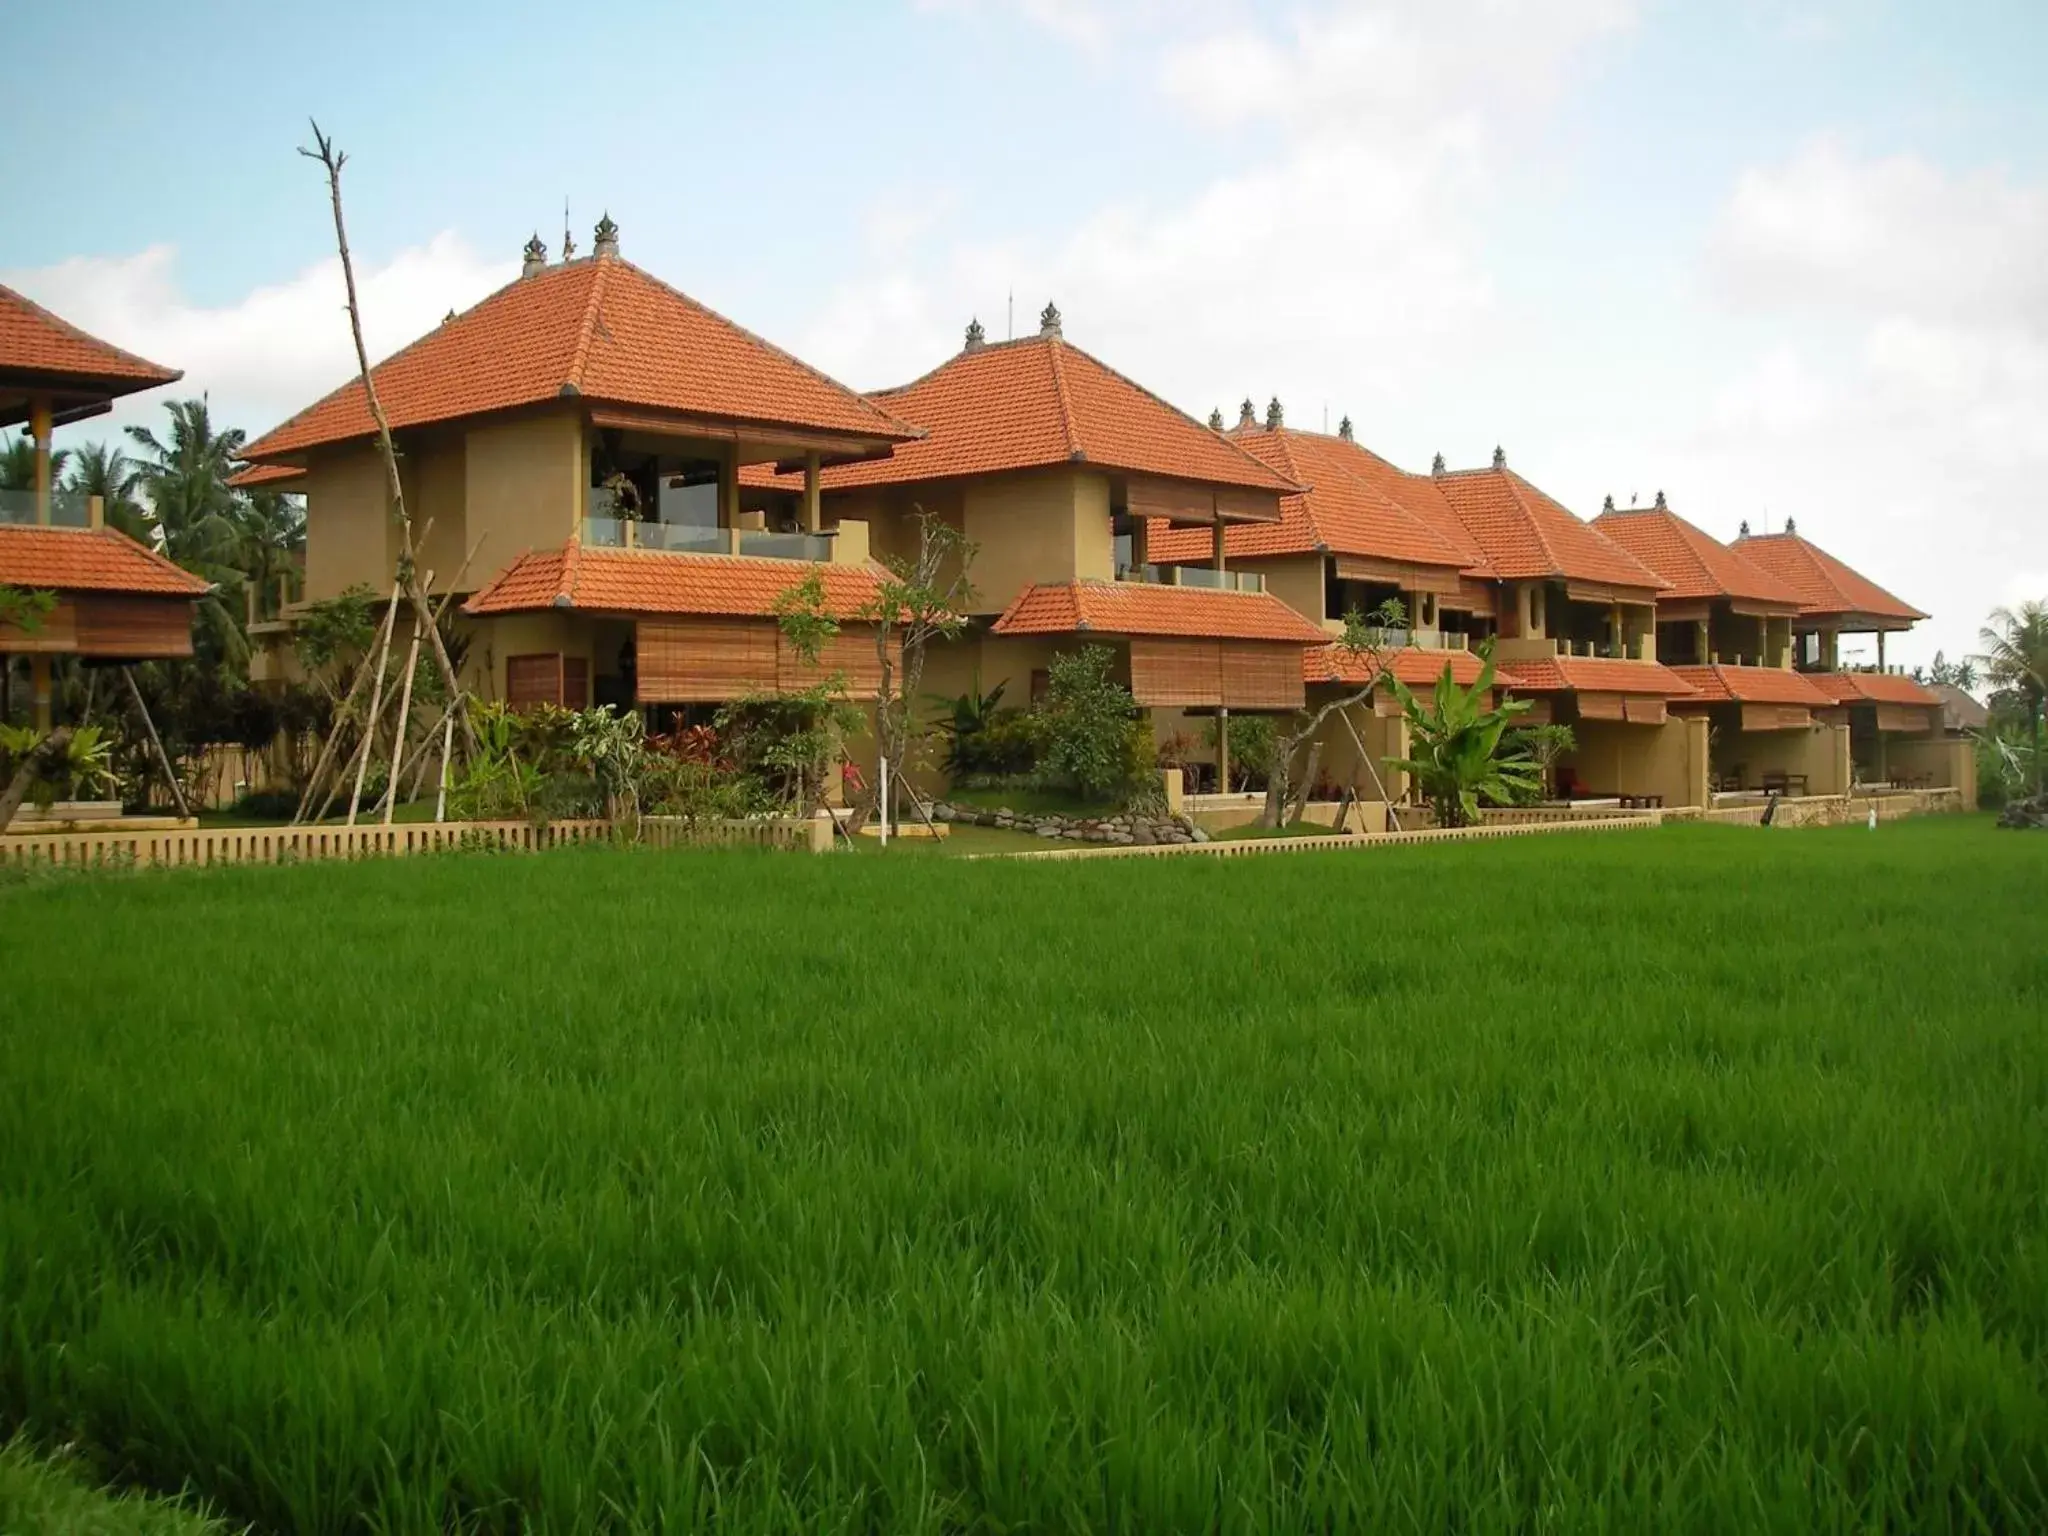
(786,546)
(1219,581)
(68,509)
(681,538)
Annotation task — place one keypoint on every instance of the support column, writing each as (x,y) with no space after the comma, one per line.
(39,428)
(729,486)
(812,515)
(1880,650)
(1223,751)
(39,690)
(1216,545)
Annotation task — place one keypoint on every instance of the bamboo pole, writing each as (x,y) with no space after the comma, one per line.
(447,745)
(1365,757)
(156,741)
(376,705)
(412,661)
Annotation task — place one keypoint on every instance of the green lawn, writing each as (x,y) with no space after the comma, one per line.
(48,1496)
(1687,1180)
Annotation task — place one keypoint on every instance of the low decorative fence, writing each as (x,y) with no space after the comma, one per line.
(284,845)
(1232,847)
(1835,810)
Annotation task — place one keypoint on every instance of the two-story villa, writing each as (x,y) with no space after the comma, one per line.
(571,454)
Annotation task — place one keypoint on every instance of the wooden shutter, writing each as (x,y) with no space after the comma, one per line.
(1643,711)
(1473,597)
(531,681)
(704,661)
(56,634)
(1539,712)
(113,625)
(1261,676)
(1905,719)
(1776,717)
(575,682)
(1601,706)
(851,653)
(1174,500)
(1440,583)
(1248,506)
(1180,672)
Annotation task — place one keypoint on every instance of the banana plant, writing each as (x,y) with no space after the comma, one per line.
(1456,753)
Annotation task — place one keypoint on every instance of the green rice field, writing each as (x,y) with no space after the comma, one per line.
(1690,1180)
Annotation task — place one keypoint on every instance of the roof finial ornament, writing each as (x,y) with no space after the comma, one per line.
(1500,457)
(568,243)
(1608,505)
(1275,418)
(977,338)
(1344,429)
(1247,415)
(1743,531)
(1216,419)
(1790,527)
(607,237)
(536,256)
(1662,505)
(1049,319)
(1437,465)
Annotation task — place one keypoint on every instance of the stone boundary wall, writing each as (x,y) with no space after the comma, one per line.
(1628,822)
(1841,810)
(1123,830)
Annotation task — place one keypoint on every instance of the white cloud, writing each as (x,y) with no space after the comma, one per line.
(274,350)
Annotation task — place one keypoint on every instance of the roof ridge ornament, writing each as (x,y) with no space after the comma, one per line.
(607,243)
(1216,419)
(1437,465)
(1743,531)
(1344,430)
(977,338)
(1275,417)
(1608,504)
(1049,320)
(536,256)
(1247,415)
(1662,504)
(1500,457)
(1790,526)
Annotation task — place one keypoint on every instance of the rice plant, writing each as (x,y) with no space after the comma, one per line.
(1693,1180)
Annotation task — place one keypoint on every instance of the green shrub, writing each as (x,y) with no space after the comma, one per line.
(1084,724)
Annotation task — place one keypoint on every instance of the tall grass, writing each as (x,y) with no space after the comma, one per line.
(1689,1180)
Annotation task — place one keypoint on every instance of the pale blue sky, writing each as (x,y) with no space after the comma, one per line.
(1643,243)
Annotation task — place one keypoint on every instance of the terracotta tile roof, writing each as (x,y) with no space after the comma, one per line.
(1873,688)
(1036,402)
(1594,674)
(1826,587)
(32,340)
(1136,608)
(600,328)
(1339,510)
(1721,683)
(1527,535)
(257,475)
(1959,711)
(657,581)
(88,560)
(1416,667)
(1692,562)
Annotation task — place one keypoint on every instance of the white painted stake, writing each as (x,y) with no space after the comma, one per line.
(885,799)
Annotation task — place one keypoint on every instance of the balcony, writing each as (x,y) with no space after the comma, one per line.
(66,509)
(1192,576)
(695,539)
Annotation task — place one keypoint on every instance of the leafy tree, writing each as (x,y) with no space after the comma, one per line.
(270,543)
(2015,658)
(18,463)
(924,597)
(1364,639)
(1254,742)
(1956,674)
(790,734)
(103,470)
(1543,745)
(1085,723)
(1455,745)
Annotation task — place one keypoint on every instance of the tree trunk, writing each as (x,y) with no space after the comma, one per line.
(46,753)
(1308,783)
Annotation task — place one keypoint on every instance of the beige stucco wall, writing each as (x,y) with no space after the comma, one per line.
(1297,580)
(350,538)
(523,488)
(1616,758)
(524,634)
(1047,526)
(1820,752)
(1951,761)
(434,475)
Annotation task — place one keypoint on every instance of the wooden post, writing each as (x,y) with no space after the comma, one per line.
(39,428)
(1222,744)
(813,517)
(39,691)
(355,795)
(1216,560)
(412,660)
(447,746)
(1880,650)
(162,757)
(729,486)
(95,512)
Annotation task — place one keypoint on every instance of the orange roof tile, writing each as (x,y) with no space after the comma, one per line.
(258,475)
(1338,511)
(1873,688)
(32,340)
(600,328)
(1594,674)
(1826,587)
(1692,563)
(1416,667)
(1526,534)
(1137,608)
(1036,402)
(88,560)
(1722,683)
(658,581)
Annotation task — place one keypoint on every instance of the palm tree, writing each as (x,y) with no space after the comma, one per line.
(270,540)
(103,470)
(18,463)
(185,480)
(2015,658)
